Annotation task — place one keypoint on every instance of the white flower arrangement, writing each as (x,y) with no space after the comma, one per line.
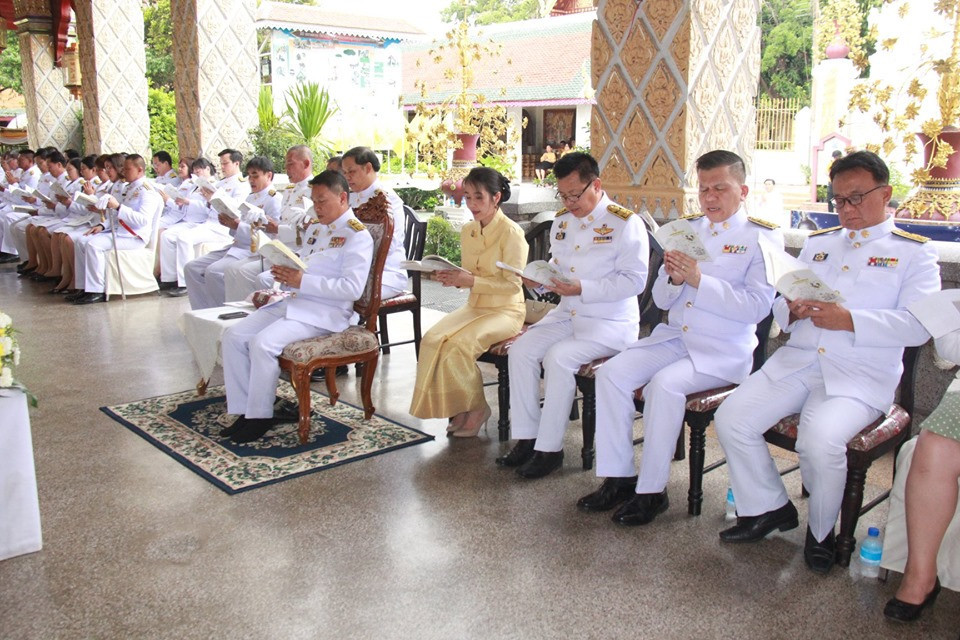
(10,357)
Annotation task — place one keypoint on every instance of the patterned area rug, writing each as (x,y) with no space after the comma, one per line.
(186,426)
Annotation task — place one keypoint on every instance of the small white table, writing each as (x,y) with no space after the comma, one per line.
(19,506)
(203,329)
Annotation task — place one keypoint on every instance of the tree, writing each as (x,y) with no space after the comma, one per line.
(10,68)
(786,45)
(162,111)
(158,41)
(494,11)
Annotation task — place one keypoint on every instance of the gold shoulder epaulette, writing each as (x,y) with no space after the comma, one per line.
(272,192)
(290,186)
(356,225)
(561,212)
(242,179)
(692,216)
(620,212)
(146,185)
(916,237)
(822,231)
(764,223)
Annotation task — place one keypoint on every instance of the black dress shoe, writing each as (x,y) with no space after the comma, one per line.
(612,492)
(321,374)
(252,429)
(39,277)
(90,298)
(75,295)
(285,411)
(9,258)
(900,611)
(521,452)
(541,464)
(21,266)
(25,272)
(756,528)
(164,286)
(642,508)
(226,432)
(820,556)
(176,292)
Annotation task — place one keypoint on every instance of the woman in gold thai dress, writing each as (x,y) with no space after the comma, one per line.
(449,384)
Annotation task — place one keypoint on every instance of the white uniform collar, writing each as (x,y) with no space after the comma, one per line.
(856,238)
(737,220)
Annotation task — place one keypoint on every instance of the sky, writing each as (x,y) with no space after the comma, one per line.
(422,13)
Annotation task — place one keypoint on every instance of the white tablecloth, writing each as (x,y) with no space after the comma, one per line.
(203,329)
(19,507)
(895,535)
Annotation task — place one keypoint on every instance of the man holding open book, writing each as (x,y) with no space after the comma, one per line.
(334,279)
(841,366)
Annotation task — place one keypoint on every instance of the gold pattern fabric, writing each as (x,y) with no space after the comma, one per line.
(448,380)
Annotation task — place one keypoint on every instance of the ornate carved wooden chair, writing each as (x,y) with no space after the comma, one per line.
(356,345)
(414,240)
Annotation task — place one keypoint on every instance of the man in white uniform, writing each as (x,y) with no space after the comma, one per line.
(240,277)
(132,220)
(178,243)
(336,275)
(163,169)
(16,227)
(708,342)
(602,250)
(204,276)
(839,369)
(22,173)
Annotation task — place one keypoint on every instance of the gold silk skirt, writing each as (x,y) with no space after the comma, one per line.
(448,378)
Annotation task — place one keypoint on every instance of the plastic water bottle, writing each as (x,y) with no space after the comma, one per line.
(731,506)
(871,550)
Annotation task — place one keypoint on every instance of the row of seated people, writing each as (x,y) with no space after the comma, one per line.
(49,234)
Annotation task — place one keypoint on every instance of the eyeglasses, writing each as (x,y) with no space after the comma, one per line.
(854,200)
(572,199)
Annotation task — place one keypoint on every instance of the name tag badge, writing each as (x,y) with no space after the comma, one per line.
(820,257)
(337,241)
(560,235)
(735,248)
(884,263)
(311,239)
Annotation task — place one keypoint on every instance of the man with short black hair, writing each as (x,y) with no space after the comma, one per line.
(336,275)
(840,367)
(163,169)
(25,175)
(601,251)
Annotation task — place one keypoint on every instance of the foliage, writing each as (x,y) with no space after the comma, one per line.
(899,122)
(821,193)
(420,199)
(273,144)
(442,239)
(10,68)
(162,110)
(786,45)
(308,109)
(807,173)
(494,11)
(158,41)
(498,163)
(901,187)
(265,114)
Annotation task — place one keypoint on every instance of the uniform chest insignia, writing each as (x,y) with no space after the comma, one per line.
(562,225)
(311,239)
(916,237)
(820,257)
(735,248)
(602,239)
(763,223)
(356,225)
(886,263)
(272,192)
(620,212)
(336,242)
(560,235)
(603,231)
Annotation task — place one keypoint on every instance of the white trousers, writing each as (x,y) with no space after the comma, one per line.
(94,254)
(18,236)
(240,278)
(826,425)
(177,247)
(204,278)
(7,219)
(668,373)
(250,349)
(562,355)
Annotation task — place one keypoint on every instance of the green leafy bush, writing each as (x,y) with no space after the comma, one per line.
(420,199)
(442,240)
(273,144)
(162,110)
(499,163)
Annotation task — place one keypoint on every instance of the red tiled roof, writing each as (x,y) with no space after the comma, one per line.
(550,61)
(317,19)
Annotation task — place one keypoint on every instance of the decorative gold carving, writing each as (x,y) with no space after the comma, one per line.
(721,136)
(52,115)
(705,93)
(724,56)
(31,8)
(599,135)
(599,53)
(661,95)
(675,138)
(616,171)
(680,49)
(708,13)
(696,44)
(660,173)
(615,98)
(637,139)
(618,14)
(932,203)
(661,14)
(744,19)
(638,51)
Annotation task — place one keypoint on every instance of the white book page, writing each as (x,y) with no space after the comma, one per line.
(939,312)
(680,235)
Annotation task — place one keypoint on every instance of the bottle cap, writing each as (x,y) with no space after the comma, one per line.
(873,531)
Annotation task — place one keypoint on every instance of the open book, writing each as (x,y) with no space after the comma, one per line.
(278,253)
(21,193)
(680,235)
(36,194)
(224,204)
(57,190)
(85,199)
(204,183)
(540,271)
(939,312)
(430,264)
(792,278)
(172,192)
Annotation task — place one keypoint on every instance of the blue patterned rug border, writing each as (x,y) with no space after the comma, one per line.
(217,482)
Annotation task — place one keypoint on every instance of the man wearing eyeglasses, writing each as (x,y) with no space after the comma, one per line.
(840,367)
(601,251)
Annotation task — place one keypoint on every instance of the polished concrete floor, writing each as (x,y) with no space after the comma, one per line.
(432,541)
